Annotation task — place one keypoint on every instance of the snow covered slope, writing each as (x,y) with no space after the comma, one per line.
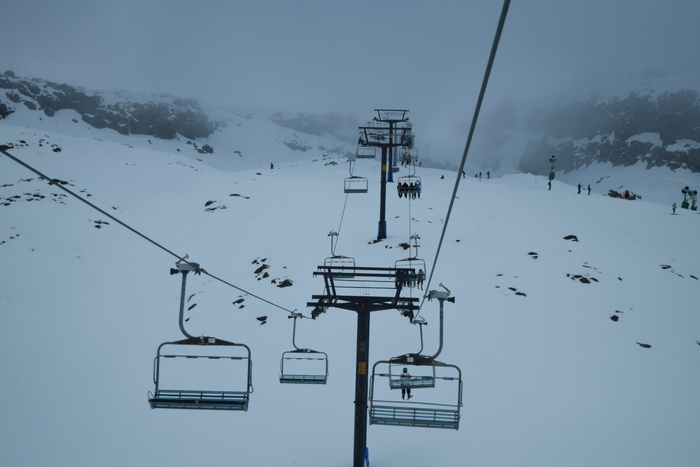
(550,378)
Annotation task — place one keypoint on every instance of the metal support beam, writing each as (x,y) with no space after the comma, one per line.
(382,196)
(361,387)
(371,279)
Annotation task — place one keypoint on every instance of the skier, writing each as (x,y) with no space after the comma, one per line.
(420,277)
(579,188)
(589,189)
(674,208)
(405,384)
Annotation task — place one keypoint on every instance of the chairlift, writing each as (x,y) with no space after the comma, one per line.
(344,265)
(409,156)
(366,152)
(414,266)
(212,356)
(303,366)
(442,410)
(410,185)
(355,184)
(217,373)
(445,380)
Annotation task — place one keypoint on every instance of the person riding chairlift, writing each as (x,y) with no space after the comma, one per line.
(405,387)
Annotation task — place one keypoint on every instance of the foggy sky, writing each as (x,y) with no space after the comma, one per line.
(349,56)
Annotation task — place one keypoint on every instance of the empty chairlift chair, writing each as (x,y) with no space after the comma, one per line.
(202,373)
(355,184)
(303,366)
(366,152)
(343,266)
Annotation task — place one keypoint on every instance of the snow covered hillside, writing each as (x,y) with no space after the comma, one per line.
(575,325)
(650,119)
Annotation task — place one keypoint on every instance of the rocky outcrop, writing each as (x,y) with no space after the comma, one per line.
(164,117)
(660,131)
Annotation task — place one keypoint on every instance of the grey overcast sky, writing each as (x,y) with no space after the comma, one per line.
(350,56)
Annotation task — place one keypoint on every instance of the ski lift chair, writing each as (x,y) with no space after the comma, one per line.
(407,180)
(303,366)
(366,152)
(443,409)
(225,395)
(355,184)
(409,156)
(345,265)
(414,265)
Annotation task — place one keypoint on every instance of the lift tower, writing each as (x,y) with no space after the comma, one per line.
(389,129)
(381,290)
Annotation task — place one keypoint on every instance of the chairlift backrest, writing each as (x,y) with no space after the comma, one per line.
(356,184)
(366,152)
(343,266)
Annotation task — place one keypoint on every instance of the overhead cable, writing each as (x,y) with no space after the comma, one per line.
(487,73)
(59,184)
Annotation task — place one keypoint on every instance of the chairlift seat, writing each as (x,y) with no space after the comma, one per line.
(343,266)
(214,400)
(414,416)
(304,379)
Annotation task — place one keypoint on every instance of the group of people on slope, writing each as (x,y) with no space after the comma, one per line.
(581,186)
